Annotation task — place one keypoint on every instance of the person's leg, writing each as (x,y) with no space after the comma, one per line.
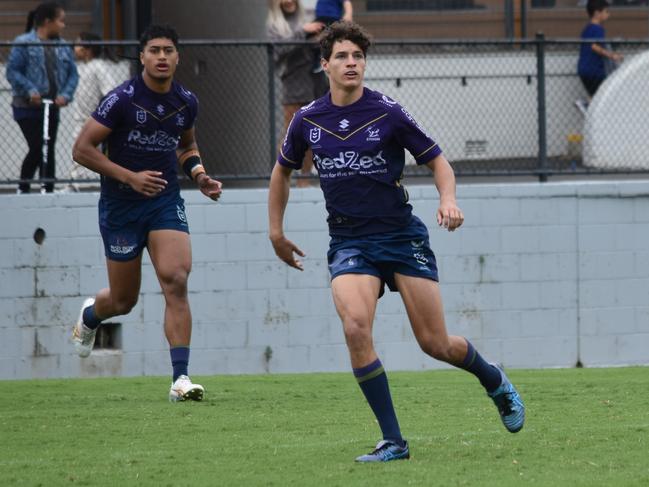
(33,133)
(355,297)
(171,255)
(117,299)
(50,170)
(423,303)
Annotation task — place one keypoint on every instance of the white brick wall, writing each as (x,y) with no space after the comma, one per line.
(541,275)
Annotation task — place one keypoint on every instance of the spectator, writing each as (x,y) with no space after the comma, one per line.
(96,79)
(591,66)
(286,22)
(329,11)
(37,72)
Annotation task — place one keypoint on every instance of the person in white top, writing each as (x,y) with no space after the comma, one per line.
(98,74)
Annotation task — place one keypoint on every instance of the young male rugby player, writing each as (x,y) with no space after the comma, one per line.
(358,137)
(148,125)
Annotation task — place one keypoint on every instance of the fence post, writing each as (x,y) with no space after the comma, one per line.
(509,19)
(523,19)
(542,118)
(271,104)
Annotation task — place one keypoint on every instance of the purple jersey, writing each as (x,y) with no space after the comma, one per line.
(146,128)
(358,151)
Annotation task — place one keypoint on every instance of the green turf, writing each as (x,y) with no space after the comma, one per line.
(584,427)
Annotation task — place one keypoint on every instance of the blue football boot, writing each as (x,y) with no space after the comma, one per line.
(509,404)
(385,451)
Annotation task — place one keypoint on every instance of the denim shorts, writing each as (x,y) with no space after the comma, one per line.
(125,224)
(404,251)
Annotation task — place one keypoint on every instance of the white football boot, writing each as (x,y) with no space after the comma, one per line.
(82,336)
(183,389)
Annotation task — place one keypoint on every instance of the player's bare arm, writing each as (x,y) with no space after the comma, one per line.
(449,214)
(86,153)
(190,162)
(280,183)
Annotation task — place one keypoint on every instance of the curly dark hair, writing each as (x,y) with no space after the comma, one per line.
(344,31)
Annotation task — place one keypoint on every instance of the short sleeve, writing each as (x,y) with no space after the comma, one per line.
(110,110)
(412,137)
(292,151)
(193,112)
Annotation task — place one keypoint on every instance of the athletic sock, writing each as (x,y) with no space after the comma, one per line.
(179,361)
(488,375)
(90,319)
(374,383)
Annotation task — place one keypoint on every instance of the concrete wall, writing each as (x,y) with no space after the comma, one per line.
(539,276)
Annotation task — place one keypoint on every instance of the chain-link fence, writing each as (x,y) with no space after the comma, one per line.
(495,107)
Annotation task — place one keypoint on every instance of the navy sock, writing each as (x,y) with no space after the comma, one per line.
(374,383)
(487,374)
(179,361)
(90,319)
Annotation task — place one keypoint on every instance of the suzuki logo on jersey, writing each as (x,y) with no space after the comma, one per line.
(160,109)
(350,160)
(314,135)
(157,141)
(343,124)
(140,116)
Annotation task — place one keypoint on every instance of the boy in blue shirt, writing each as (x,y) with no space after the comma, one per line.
(591,66)
(358,137)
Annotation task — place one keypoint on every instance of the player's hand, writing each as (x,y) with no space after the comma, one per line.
(148,183)
(60,101)
(449,215)
(313,27)
(285,249)
(617,57)
(209,187)
(35,100)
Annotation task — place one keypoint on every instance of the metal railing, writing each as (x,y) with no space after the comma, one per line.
(495,107)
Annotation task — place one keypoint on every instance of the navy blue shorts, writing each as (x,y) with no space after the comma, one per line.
(125,225)
(404,251)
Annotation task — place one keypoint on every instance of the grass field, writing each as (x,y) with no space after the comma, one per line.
(584,427)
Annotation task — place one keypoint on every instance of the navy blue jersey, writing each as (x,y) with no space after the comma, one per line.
(146,128)
(358,151)
(591,64)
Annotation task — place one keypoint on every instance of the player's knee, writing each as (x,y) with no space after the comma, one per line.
(175,283)
(124,304)
(437,350)
(357,333)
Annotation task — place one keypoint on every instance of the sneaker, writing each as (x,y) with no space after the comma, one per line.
(82,336)
(183,390)
(582,106)
(385,451)
(509,403)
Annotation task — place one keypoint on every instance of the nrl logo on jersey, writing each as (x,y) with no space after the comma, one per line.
(314,135)
(180,120)
(373,134)
(140,116)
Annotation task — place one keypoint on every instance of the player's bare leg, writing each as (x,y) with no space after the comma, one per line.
(423,303)
(355,297)
(171,255)
(117,299)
